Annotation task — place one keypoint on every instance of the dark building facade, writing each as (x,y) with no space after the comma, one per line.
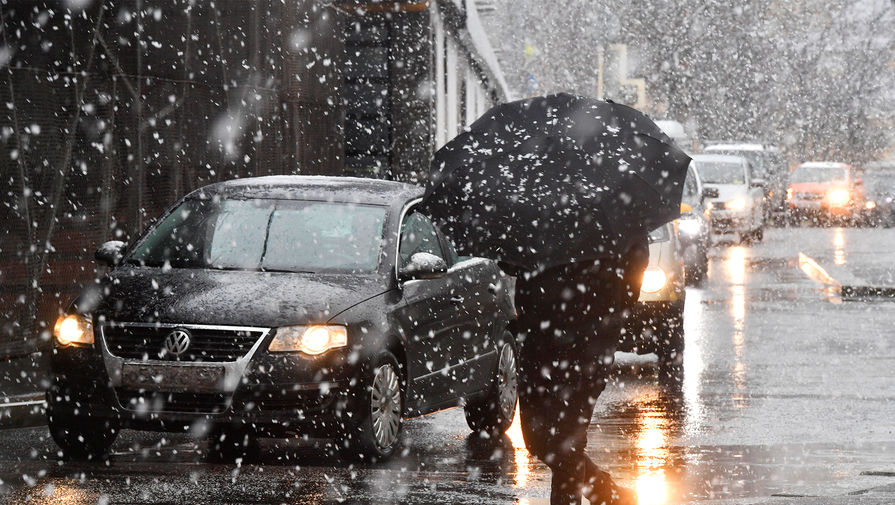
(109,114)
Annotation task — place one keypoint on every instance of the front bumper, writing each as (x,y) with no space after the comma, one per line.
(819,207)
(275,395)
(724,221)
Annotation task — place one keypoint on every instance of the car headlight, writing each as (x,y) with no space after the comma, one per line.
(311,340)
(654,279)
(689,226)
(838,197)
(789,194)
(736,204)
(870,205)
(73,329)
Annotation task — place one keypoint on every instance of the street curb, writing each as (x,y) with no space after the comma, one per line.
(23,411)
(847,292)
(865,292)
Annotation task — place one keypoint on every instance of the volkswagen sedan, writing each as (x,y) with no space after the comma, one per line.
(281,306)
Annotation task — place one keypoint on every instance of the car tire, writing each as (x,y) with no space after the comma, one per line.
(81,438)
(491,414)
(381,409)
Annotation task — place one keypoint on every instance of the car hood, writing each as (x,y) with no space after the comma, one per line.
(812,187)
(727,192)
(264,299)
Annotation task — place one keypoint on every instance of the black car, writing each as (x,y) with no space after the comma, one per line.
(325,307)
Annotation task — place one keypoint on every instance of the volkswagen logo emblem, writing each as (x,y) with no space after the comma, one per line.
(177,342)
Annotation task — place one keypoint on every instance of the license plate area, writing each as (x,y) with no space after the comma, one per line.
(172,378)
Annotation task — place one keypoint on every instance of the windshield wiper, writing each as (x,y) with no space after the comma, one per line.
(262,269)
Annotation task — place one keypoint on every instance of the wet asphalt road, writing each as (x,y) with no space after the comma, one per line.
(787,390)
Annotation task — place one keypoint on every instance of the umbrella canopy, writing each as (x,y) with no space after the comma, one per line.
(554,180)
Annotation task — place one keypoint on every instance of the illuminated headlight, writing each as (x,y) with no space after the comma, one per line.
(689,226)
(654,279)
(311,340)
(838,197)
(736,204)
(73,329)
(789,194)
(870,205)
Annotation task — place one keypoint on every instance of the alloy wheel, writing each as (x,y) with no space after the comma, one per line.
(386,406)
(507,381)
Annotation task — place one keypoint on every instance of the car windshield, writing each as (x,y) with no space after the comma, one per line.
(755,158)
(719,172)
(813,173)
(266,235)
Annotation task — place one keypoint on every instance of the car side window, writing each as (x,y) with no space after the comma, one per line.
(449,248)
(418,235)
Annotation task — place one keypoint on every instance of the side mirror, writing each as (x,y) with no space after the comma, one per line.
(710,192)
(110,253)
(758,183)
(423,265)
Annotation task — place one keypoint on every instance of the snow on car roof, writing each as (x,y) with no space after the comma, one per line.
(718,158)
(736,147)
(342,189)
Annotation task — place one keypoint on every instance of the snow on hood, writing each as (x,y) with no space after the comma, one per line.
(233,297)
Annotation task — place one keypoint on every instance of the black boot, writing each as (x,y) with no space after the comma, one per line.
(564,490)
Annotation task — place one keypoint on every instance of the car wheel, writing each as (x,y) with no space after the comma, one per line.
(80,437)
(492,414)
(377,436)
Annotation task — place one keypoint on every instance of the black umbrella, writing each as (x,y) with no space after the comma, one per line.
(553,180)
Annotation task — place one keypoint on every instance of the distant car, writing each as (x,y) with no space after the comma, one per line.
(738,208)
(768,165)
(319,306)
(694,226)
(879,208)
(657,324)
(826,191)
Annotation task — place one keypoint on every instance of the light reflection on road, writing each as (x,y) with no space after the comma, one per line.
(521,457)
(839,247)
(652,454)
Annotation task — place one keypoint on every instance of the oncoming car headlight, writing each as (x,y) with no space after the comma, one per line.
(838,197)
(311,340)
(689,226)
(654,279)
(73,329)
(736,204)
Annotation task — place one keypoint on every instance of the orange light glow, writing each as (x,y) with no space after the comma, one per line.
(521,456)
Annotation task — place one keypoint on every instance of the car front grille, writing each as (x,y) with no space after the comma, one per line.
(151,402)
(146,342)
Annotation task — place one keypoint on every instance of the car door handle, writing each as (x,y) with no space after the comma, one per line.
(456,299)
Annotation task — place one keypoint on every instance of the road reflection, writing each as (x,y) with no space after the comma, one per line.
(839,247)
(521,456)
(657,419)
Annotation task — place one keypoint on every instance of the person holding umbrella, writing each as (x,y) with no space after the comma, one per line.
(562,191)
